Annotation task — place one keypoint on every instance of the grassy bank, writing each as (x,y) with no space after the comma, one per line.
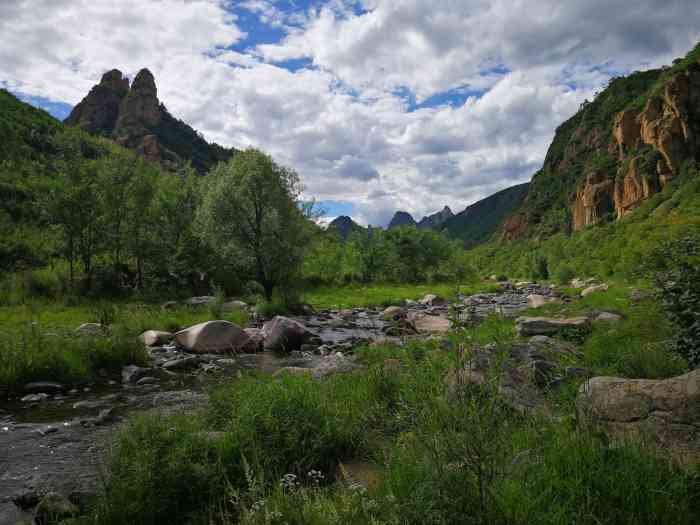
(287,451)
(38,341)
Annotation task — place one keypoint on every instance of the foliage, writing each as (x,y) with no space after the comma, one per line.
(249,212)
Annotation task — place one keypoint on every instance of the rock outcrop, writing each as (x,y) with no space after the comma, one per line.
(401,218)
(134,117)
(666,410)
(437,220)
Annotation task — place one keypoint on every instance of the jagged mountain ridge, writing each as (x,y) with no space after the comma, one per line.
(133,116)
(615,152)
(344,226)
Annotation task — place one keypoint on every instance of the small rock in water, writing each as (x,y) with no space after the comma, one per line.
(48,430)
(45,387)
(88,405)
(34,398)
(147,380)
(182,363)
(132,373)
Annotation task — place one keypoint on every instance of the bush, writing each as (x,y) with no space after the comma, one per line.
(564,274)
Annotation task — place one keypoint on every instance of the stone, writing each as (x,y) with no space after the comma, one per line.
(46,387)
(528,326)
(233,306)
(394,313)
(594,289)
(257,338)
(294,371)
(54,508)
(666,410)
(213,337)
(147,380)
(609,317)
(98,112)
(89,405)
(170,305)
(34,398)
(538,301)
(431,324)
(132,373)
(284,335)
(432,300)
(90,329)
(156,337)
(182,363)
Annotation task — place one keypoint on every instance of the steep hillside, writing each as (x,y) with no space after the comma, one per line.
(478,222)
(401,218)
(135,118)
(616,152)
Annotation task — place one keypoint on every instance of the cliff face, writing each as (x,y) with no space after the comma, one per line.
(134,117)
(616,152)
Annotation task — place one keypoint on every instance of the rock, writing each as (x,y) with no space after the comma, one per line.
(608,317)
(335,364)
(147,380)
(89,405)
(233,306)
(27,499)
(538,301)
(90,329)
(667,410)
(182,363)
(294,371)
(46,387)
(432,324)
(97,113)
(213,337)
(203,300)
(132,373)
(284,335)
(34,398)
(54,508)
(257,338)
(593,289)
(637,296)
(528,326)
(432,300)
(346,313)
(156,338)
(170,305)
(394,313)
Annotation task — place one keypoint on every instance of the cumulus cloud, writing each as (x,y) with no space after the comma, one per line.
(344,121)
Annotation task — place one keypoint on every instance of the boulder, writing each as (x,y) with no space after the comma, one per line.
(257,338)
(212,337)
(609,317)
(90,329)
(528,326)
(54,508)
(594,289)
(156,337)
(667,410)
(284,335)
(432,300)
(170,305)
(394,313)
(538,301)
(233,306)
(431,324)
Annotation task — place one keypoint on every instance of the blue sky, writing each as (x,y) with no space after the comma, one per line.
(379,105)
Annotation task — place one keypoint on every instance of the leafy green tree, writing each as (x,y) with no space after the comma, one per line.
(251,215)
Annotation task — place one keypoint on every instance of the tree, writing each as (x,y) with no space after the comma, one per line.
(250,213)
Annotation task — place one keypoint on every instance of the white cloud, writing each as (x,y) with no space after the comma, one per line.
(341,123)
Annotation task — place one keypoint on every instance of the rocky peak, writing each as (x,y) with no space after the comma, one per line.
(344,226)
(134,118)
(98,112)
(437,220)
(401,218)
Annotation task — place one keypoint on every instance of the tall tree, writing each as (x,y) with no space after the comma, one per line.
(250,213)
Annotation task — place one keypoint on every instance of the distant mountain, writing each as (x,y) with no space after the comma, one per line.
(436,221)
(478,222)
(344,226)
(135,118)
(401,218)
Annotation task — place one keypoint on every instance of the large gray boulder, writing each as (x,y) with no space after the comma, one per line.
(394,313)
(429,324)
(213,337)
(284,335)
(667,410)
(528,326)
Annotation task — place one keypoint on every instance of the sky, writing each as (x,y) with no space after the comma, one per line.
(380,105)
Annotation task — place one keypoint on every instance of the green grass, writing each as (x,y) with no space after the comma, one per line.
(354,296)
(38,341)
